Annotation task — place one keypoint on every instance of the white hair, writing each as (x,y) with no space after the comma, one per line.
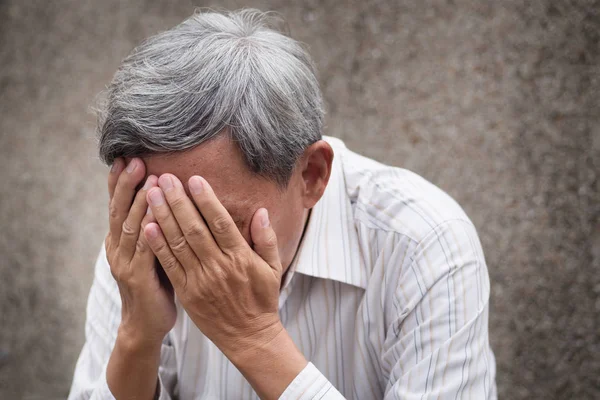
(215,72)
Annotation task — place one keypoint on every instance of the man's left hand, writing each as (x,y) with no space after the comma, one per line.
(228,289)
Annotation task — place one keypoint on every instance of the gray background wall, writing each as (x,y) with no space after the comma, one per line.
(496,102)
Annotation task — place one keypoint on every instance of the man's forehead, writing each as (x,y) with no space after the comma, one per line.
(217,159)
(233,189)
(181,165)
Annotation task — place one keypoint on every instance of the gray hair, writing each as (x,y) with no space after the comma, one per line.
(215,72)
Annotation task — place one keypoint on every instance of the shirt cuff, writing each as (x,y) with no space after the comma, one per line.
(310,384)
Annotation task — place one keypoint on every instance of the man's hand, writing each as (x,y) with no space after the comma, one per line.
(229,290)
(148,309)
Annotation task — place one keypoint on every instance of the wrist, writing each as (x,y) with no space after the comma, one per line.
(132,370)
(270,366)
(133,341)
(245,345)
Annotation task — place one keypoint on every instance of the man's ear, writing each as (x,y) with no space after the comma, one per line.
(315,169)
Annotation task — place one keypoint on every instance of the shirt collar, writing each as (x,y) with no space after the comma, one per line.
(330,247)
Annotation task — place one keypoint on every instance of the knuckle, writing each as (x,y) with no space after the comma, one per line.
(116,275)
(113,211)
(271,241)
(119,273)
(178,244)
(141,246)
(125,276)
(195,230)
(221,225)
(220,274)
(177,203)
(128,229)
(239,258)
(169,264)
(159,248)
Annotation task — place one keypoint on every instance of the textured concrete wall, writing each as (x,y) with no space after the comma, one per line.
(494,101)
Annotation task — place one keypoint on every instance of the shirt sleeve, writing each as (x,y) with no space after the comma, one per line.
(101,326)
(310,384)
(436,342)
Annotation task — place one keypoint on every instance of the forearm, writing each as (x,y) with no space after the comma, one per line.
(270,367)
(132,371)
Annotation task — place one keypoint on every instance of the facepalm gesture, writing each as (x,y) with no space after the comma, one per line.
(228,289)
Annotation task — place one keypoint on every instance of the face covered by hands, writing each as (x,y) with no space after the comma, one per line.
(224,257)
(229,290)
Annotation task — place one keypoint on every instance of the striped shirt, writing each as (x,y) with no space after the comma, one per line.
(387,298)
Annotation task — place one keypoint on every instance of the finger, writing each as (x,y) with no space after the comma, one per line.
(113,175)
(144,256)
(123,196)
(130,231)
(187,216)
(223,229)
(149,217)
(170,264)
(170,229)
(143,253)
(264,239)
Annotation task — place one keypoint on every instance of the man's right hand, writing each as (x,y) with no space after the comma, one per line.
(148,310)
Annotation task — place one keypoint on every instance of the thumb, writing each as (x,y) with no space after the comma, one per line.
(264,238)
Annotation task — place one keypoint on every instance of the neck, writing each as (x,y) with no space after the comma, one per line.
(287,265)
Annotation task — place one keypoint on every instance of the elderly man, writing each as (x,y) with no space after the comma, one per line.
(250,257)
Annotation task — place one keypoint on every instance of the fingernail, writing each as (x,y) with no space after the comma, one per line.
(165,182)
(147,185)
(131,167)
(264,218)
(156,197)
(195,184)
(148,211)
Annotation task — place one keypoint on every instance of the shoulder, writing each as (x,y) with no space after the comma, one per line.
(396,200)
(408,229)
